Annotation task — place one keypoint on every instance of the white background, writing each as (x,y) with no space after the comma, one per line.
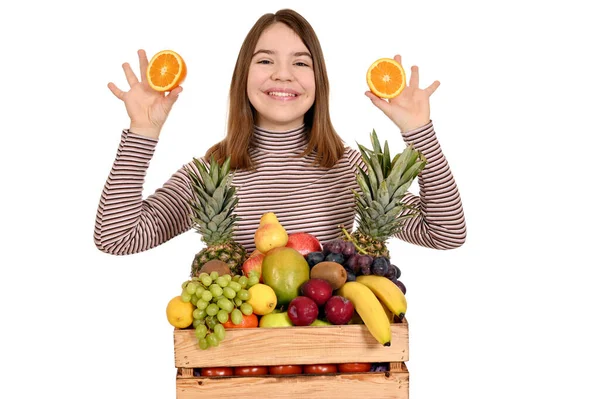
(512,313)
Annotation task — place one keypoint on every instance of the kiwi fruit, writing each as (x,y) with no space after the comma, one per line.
(332,272)
(215,265)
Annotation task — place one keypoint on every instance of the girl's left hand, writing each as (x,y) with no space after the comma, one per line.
(410,109)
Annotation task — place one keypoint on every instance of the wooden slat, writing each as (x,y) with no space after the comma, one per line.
(292,345)
(183,372)
(398,367)
(393,385)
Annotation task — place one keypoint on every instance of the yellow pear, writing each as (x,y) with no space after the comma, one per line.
(267,218)
(269,236)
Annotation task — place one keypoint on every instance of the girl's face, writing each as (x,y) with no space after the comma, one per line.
(281,80)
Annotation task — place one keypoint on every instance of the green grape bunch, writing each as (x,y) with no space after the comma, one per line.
(217,299)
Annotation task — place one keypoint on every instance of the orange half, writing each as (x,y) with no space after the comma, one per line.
(166,70)
(386,78)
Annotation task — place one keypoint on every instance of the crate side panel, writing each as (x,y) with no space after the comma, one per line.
(386,385)
(292,345)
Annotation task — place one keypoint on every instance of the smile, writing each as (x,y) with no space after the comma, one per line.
(280,94)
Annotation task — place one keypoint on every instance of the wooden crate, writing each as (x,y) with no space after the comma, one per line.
(294,345)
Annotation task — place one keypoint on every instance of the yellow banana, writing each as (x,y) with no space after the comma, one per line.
(388,292)
(369,309)
(388,313)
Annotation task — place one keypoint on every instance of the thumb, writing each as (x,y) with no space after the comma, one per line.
(174,94)
(380,103)
(170,98)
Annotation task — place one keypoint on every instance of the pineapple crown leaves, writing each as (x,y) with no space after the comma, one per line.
(213,200)
(383,185)
(388,178)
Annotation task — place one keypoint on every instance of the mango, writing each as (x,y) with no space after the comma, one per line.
(284,269)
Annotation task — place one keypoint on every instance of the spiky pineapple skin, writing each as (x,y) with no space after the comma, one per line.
(370,245)
(231,253)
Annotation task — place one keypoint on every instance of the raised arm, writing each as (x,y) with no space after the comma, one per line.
(125,222)
(440,223)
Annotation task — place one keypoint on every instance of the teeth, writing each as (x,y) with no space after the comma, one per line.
(280,94)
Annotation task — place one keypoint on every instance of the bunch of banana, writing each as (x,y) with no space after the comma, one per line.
(374,298)
(387,292)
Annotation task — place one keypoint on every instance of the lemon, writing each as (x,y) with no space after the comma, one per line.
(179,313)
(262,299)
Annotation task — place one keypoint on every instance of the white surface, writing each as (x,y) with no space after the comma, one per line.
(510,314)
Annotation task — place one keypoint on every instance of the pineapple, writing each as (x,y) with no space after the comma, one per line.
(213,203)
(379,206)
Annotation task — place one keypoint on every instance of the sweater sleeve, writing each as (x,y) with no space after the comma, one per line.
(440,222)
(125,222)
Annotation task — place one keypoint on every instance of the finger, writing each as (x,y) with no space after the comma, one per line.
(143,64)
(414,76)
(173,94)
(398,59)
(116,91)
(131,78)
(432,87)
(169,99)
(380,103)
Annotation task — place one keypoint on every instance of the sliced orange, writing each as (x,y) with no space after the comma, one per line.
(386,78)
(166,70)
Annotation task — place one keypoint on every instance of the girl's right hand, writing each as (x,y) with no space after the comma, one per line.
(147,108)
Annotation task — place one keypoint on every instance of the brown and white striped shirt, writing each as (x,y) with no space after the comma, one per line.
(303,196)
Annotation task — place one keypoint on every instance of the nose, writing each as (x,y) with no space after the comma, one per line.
(282,71)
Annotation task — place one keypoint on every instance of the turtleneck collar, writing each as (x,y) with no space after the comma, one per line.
(280,141)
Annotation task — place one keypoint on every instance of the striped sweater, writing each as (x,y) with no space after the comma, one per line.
(304,197)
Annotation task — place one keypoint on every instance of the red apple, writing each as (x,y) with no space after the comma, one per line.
(304,243)
(302,311)
(253,263)
(317,289)
(255,252)
(339,310)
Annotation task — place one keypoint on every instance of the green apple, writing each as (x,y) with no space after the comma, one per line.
(320,323)
(273,320)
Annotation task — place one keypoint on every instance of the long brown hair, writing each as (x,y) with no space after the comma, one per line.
(322,137)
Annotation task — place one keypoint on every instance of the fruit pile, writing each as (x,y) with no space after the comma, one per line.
(280,288)
(294,279)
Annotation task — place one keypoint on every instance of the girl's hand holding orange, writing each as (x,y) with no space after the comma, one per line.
(409,109)
(147,108)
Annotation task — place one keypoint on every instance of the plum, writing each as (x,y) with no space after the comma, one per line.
(339,310)
(317,289)
(302,311)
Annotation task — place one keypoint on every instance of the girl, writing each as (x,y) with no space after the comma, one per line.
(287,157)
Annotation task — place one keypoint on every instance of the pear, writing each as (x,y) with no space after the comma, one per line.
(269,236)
(267,218)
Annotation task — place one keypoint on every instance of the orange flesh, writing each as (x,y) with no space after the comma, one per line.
(164,70)
(386,78)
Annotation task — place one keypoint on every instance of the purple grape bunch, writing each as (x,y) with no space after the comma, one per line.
(344,252)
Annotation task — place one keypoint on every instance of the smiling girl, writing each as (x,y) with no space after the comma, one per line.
(287,157)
